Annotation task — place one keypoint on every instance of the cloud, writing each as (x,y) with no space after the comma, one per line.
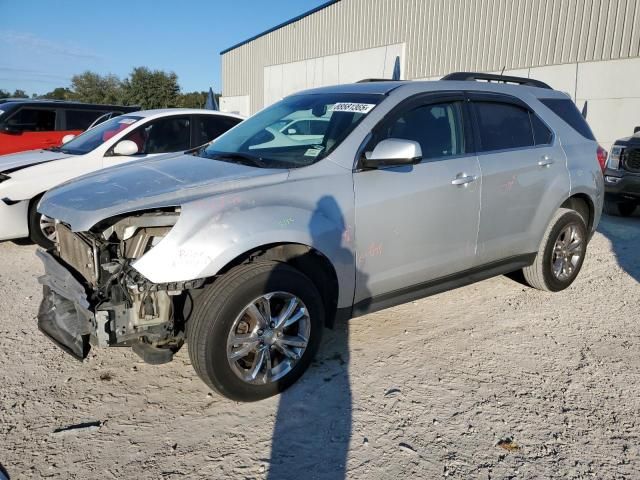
(42,45)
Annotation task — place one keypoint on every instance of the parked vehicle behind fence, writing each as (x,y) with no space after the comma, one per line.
(622,176)
(25,176)
(32,124)
(247,249)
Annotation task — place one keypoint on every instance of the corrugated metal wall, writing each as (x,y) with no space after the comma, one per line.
(445,35)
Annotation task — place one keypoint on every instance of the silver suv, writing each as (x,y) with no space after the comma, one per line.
(247,248)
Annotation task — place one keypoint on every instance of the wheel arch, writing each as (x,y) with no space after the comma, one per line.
(581,203)
(310,261)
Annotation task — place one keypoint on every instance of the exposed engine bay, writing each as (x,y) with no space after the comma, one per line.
(102,300)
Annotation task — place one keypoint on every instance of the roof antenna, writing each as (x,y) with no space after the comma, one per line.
(502,71)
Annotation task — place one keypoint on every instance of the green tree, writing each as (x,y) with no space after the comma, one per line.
(151,89)
(95,88)
(60,93)
(20,94)
(4,93)
(193,100)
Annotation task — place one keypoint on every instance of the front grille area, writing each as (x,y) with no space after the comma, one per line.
(77,252)
(631,159)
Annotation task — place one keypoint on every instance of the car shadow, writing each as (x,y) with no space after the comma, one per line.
(313,423)
(624,235)
(4,475)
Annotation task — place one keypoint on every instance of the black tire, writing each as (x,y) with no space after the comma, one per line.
(540,274)
(35,233)
(219,305)
(619,209)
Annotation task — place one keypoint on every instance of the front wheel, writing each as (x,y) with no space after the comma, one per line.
(561,253)
(255,330)
(42,229)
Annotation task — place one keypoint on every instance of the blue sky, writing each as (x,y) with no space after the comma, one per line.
(44,42)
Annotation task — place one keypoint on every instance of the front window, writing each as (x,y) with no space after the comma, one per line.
(96,136)
(295,132)
(33,120)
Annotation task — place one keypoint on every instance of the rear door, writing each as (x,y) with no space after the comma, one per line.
(210,127)
(418,223)
(523,176)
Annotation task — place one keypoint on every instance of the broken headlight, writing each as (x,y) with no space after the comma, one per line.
(137,234)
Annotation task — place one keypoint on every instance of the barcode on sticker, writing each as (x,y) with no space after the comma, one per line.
(353,107)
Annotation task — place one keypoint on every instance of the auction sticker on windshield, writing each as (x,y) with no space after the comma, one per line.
(128,121)
(353,107)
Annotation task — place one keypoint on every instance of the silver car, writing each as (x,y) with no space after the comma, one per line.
(247,248)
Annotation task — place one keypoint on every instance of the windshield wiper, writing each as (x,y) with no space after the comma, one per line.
(240,157)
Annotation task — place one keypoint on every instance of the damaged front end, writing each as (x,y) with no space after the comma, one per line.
(93,296)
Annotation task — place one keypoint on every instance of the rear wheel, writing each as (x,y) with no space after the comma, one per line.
(561,253)
(42,229)
(619,209)
(255,330)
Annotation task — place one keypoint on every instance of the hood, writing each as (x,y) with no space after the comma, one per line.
(633,141)
(153,183)
(16,161)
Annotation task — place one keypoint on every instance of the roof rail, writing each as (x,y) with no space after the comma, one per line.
(490,77)
(369,80)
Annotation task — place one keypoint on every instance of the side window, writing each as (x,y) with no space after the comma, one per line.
(541,133)
(503,125)
(81,119)
(33,120)
(436,127)
(162,136)
(210,127)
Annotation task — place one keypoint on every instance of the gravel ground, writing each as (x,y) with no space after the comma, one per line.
(494,380)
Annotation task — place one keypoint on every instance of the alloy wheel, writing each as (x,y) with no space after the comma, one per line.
(48,228)
(268,338)
(567,252)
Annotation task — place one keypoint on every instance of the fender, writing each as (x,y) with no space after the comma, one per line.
(212,232)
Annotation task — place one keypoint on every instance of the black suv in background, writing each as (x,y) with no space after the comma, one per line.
(622,176)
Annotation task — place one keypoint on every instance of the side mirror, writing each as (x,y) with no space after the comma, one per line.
(291,131)
(125,148)
(67,138)
(394,151)
(636,130)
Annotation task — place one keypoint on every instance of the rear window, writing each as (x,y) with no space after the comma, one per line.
(567,111)
(503,126)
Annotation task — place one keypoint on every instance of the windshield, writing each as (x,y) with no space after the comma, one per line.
(295,132)
(96,136)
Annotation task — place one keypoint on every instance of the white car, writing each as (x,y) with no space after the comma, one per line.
(25,176)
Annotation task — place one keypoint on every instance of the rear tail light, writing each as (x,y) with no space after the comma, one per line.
(602,157)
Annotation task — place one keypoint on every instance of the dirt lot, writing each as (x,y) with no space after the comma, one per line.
(494,380)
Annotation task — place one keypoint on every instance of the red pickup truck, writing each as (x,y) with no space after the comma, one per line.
(29,124)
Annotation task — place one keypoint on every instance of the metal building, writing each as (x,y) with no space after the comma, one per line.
(587,48)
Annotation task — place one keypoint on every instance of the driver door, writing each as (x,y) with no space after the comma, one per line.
(413,225)
(157,137)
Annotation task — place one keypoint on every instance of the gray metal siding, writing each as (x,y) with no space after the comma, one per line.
(445,35)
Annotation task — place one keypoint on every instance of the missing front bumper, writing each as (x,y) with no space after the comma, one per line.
(64,314)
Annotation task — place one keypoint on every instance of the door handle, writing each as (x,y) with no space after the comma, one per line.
(462,179)
(545,161)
